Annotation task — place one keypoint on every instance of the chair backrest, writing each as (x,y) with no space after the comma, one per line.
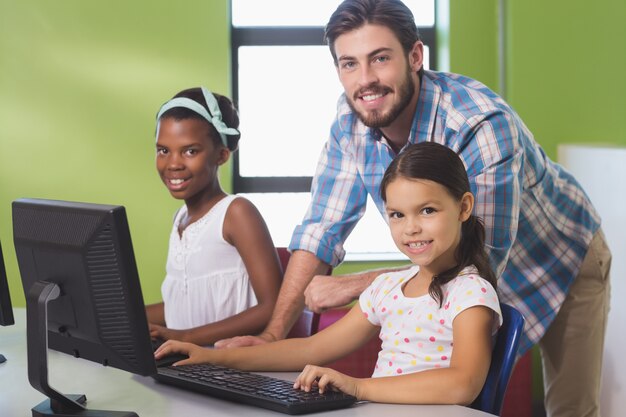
(361,362)
(308,321)
(502,361)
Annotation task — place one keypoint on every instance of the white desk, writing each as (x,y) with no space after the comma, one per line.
(112,389)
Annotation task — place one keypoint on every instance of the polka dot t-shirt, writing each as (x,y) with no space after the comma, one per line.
(416,334)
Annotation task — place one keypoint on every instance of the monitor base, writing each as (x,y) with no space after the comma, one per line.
(45,409)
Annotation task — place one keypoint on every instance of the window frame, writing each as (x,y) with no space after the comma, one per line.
(287,36)
(245,36)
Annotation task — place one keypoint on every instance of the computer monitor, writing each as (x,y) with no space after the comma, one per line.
(6,310)
(83,295)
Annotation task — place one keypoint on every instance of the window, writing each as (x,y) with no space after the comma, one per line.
(284,76)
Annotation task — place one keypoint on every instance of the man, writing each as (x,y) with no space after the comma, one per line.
(544,237)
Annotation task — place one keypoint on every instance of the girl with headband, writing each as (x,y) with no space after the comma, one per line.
(222,273)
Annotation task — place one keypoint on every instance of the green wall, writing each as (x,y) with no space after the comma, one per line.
(565,64)
(80,85)
(473,42)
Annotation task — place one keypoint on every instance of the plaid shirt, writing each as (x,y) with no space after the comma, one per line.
(539,222)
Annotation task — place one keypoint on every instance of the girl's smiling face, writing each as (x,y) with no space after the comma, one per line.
(187,158)
(425,222)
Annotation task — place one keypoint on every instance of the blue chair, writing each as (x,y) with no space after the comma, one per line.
(502,361)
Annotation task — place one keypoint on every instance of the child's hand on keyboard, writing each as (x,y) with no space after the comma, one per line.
(162,332)
(196,353)
(326,379)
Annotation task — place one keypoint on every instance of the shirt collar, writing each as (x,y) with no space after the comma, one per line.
(426,109)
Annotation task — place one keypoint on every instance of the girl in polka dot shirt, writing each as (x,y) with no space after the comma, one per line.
(436,320)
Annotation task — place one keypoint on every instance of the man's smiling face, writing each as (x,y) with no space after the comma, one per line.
(376,75)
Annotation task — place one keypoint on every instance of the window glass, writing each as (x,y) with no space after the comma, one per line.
(287,101)
(287,126)
(369,240)
(309,12)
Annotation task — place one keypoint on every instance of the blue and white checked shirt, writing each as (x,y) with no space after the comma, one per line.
(539,222)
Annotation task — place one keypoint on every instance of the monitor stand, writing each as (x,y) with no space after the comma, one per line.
(57,404)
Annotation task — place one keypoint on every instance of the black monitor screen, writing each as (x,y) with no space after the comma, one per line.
(86,250)
(6,311)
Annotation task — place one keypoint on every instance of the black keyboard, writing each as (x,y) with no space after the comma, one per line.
(250,388)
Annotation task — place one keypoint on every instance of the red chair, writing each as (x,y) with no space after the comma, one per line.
(518,399)
(308,321)
(360,363)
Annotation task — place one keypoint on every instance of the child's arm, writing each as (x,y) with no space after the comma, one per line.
(459,384)
(332,343)
(155,313)
(245,229)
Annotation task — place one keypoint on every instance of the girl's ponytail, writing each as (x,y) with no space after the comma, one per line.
(471,251)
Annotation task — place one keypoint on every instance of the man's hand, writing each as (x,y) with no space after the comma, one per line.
(241,341)
(326,292)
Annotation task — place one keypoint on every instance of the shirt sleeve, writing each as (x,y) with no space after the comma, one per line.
(469,291)
(491,150)
(338,200)
(370,298)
